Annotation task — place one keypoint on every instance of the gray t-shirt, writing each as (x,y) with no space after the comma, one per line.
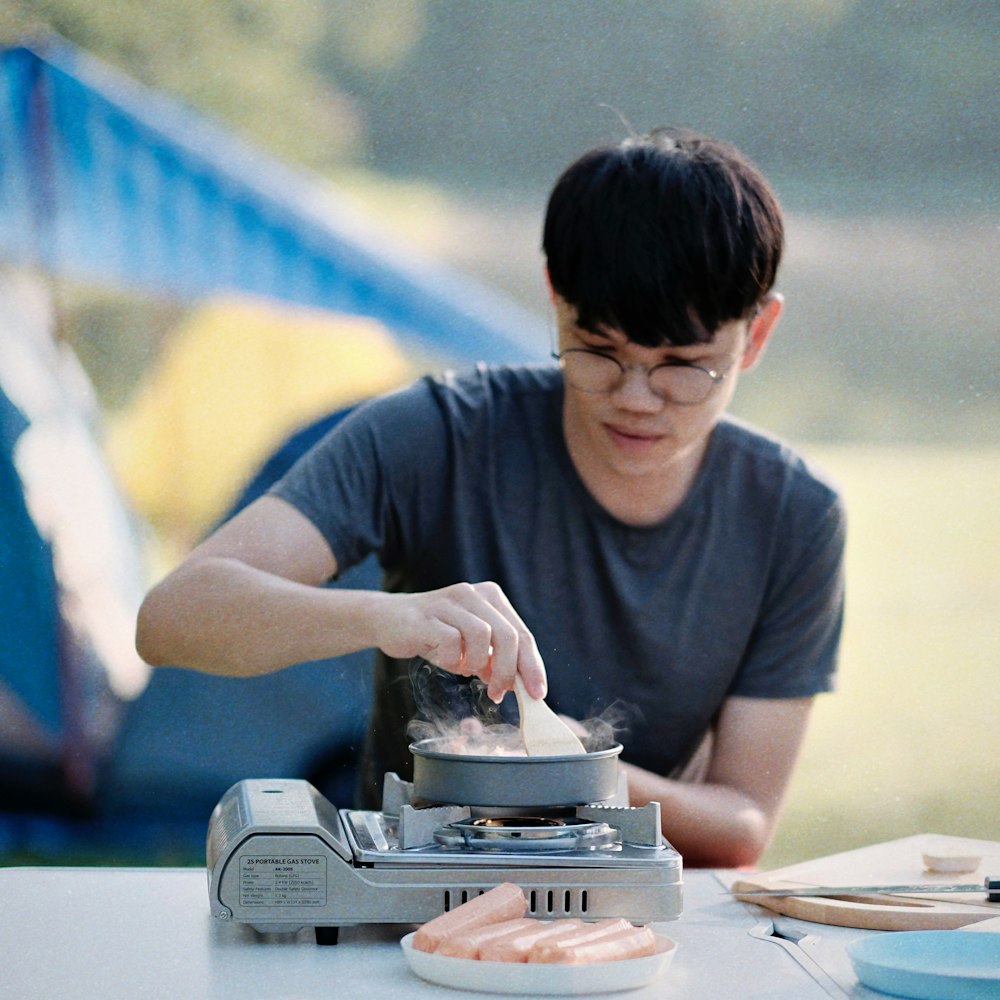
(739,592)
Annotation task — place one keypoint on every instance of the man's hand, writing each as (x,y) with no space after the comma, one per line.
(469,629)
(250,599)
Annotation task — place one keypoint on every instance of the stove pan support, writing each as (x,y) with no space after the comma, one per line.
(639,825)
(396,793)
(415,827)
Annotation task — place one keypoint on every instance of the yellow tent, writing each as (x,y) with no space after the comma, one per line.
(236,378)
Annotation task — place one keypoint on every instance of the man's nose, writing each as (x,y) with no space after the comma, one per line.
(634,391)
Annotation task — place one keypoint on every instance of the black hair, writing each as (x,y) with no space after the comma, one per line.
(664,237)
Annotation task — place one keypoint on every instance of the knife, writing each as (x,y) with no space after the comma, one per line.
(989,885)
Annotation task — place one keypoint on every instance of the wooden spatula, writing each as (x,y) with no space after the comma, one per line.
(543,732)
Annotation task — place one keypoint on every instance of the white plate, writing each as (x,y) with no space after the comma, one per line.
(539,978)
(931,965)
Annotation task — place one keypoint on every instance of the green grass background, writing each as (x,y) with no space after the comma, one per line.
(910,741)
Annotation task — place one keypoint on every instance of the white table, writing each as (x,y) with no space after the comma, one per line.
(145,934)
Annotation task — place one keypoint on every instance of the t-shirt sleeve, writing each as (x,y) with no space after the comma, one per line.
(792,651)
(353,483)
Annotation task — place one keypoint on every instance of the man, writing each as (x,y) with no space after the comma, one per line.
(603,516)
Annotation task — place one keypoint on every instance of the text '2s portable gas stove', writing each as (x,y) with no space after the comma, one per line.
(281,857)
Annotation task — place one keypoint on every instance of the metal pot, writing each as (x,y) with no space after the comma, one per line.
(536,782)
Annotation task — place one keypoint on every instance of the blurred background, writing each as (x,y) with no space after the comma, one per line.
(223,221)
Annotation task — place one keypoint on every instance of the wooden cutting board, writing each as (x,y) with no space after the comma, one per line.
(895,862)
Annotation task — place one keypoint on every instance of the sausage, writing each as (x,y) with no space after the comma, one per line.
(493,927)
(548,951)
(516,947)
(588,932)
(471,944)
(505,902)
(631,943)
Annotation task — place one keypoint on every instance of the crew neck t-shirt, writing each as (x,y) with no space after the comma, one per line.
(467,478)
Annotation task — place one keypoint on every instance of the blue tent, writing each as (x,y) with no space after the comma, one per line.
(102,180)
(190,736)
(30,617)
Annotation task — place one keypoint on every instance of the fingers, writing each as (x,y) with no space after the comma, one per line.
(514,650)
(471,630)
(532,669)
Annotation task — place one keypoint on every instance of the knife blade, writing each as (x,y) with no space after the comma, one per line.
(989,885)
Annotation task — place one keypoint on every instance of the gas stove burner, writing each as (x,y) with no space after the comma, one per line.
(526,833)
(281,857)
(518,821)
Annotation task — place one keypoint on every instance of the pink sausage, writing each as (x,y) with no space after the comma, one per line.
(587,933)
(471,943)
(632,943)
(505,902)
(516,947)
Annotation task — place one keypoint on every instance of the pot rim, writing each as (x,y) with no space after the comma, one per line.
(424,748)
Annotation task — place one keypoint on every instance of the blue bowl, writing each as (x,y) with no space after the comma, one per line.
(930,965)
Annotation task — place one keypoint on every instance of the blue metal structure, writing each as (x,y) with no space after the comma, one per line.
(104,180)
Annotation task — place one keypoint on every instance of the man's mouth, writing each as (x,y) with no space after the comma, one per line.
(632,438)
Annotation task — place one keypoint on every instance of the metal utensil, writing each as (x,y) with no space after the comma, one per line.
(989,885)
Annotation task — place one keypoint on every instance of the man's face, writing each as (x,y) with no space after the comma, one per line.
(630,429)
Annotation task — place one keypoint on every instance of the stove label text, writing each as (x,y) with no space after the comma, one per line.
(297,880)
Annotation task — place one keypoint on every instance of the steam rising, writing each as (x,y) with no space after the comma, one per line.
(457,711)
(470,736)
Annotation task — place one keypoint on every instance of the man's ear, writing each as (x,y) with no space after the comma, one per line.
(548,283)
(760,328)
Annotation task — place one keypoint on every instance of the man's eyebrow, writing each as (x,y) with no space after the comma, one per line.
(692,352)
(603,333)
(696,349)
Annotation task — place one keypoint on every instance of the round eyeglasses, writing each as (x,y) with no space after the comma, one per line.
(674,381)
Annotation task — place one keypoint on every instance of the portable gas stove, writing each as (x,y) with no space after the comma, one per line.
(281,858)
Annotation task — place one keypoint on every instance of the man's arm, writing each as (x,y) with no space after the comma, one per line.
(250,600)
(729,820)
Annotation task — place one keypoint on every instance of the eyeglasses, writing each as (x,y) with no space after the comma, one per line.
(676,382)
